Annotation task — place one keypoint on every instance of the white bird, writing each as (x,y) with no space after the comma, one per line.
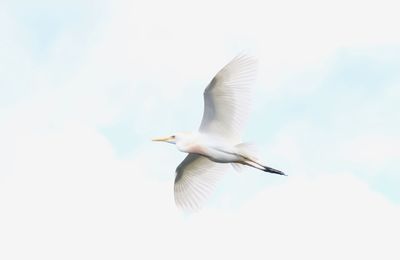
(217,143)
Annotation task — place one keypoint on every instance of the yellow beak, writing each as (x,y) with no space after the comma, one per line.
(162,139)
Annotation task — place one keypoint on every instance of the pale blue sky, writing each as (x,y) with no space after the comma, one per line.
(85,86)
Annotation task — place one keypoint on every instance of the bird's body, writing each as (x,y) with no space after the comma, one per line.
(217,143)
(214,148)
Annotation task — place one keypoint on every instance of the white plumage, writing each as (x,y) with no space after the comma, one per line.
(217,143)
(195,180)
(227,99)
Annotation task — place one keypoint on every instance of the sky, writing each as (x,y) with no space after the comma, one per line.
(85,85)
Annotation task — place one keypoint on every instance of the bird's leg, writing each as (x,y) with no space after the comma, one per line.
(264,168)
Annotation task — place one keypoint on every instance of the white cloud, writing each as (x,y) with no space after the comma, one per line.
(73,199)
(373,151)
(64,194)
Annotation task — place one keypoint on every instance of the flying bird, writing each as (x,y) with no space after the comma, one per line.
(218,142)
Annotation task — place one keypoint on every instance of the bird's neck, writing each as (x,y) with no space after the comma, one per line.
(189,143)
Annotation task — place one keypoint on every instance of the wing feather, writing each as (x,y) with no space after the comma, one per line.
(195,180)
(227,99)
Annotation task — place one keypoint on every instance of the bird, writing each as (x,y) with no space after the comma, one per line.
(217,143)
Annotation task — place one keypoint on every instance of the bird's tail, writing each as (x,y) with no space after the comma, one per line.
(249,153)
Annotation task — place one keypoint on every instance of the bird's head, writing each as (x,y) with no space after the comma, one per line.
(181,139)
(168,139)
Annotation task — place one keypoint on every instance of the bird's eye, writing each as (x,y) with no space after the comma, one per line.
(173,136)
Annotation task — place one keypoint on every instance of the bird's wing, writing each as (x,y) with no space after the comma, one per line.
(195,180)
(227,99)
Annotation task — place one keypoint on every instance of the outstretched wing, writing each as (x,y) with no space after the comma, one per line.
(195,180)
(227,99)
